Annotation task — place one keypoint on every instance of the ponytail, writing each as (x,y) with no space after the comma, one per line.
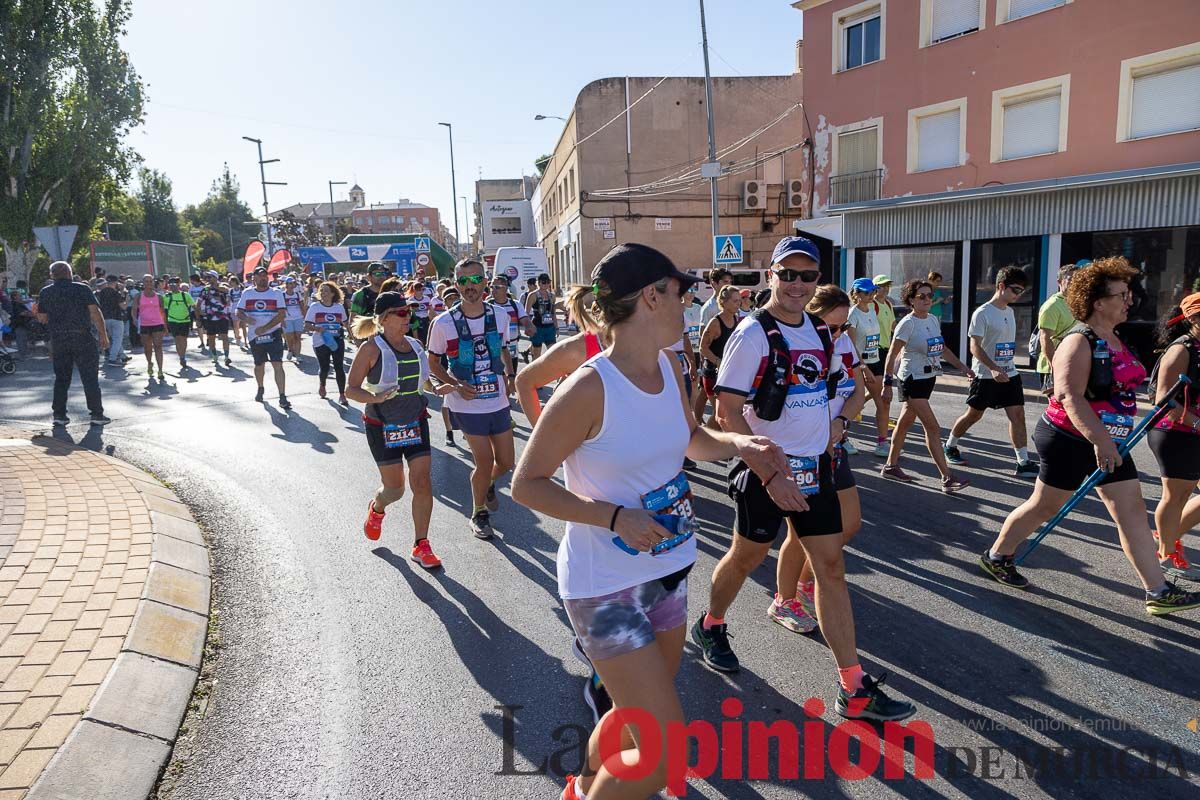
(365,327)
(579,305)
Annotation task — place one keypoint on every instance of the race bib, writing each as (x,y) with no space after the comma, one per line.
(693,333)
(871,351)
(935,344)
(487,386)
(402,435)
(266,338)
(672,508)
(806,473)
(1119,426)
(547,318)
(1005,353)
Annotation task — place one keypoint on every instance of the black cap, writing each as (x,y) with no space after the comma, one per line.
(627,268)
(114,278)
(257,270)
(378,266)
(389,300)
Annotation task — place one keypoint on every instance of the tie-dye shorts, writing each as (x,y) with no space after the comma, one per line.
(614,624)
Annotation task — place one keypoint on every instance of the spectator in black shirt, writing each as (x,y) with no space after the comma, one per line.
(70,312)
(113,301)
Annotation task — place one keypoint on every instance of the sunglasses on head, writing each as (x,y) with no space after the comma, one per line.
(470,279)
(789,275)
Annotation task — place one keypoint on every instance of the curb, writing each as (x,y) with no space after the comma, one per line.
(121,745)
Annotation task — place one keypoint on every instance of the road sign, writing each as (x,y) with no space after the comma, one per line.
(57,241)
(421,244)
(423,260)
(727,248)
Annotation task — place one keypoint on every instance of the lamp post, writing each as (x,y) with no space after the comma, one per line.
(708,106)
(540,117)
(466,227)
(453,180)
(332,215)
(265,183)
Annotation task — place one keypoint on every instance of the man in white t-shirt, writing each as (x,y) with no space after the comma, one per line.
(473,336)
(774,381)
(997,384)
(262,310)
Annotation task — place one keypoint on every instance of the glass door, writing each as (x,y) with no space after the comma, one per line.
(988,257)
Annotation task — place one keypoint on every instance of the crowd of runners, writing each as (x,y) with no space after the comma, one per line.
(648,380)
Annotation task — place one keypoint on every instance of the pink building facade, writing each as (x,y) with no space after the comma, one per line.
(962,136)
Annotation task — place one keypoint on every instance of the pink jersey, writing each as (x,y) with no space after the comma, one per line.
(1128,375)
(149,310)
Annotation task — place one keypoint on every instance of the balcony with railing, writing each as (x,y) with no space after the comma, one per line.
(855,187)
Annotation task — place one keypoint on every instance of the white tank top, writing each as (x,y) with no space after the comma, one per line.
(639,448)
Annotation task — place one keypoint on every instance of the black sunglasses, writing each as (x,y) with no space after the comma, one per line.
(789,275)
(1017,290)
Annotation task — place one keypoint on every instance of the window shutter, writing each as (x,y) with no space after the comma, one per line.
(1023,8)
(858,151)
(937,140)
(952,17)
(1164,102)
(1031,126)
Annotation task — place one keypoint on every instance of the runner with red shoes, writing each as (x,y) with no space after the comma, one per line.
(388,372)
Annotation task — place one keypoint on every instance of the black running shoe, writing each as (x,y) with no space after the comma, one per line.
(100,419)
(596,697)
(258,397)
(953,455)
(62,420)
(1171,600)
(1004,570)
(228,363)
(481,525)
(450,440)
(1026,469)
(714,643)
(284,402)
(871,703)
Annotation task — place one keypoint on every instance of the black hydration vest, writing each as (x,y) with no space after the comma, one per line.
(772,391)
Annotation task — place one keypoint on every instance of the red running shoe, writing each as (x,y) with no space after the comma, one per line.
(423,555)
(373,527)
(569,792)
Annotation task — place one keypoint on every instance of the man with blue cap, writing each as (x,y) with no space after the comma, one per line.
(776,378)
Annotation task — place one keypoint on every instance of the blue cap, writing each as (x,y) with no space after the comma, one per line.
(1083,262)
(863,285)
(795,245)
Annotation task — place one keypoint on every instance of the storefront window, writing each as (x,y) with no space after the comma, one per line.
(903,264)
(990,256)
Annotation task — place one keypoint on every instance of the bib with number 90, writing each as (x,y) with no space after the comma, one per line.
(806,473)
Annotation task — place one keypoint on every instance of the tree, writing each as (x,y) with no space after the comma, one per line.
(161,218)
(223,212)
(541,163)
(68,97)
(293,233)
(121,207)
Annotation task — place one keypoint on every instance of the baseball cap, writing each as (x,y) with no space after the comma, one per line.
(258,270)
(863,285)
(1189,307)
(389,300)
(795,246)
(114,278)
(628,268)
(289,279)
(378,267)
(212,273)
(882,280)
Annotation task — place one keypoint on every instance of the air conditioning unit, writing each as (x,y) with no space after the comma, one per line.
(795,193)
(754,195)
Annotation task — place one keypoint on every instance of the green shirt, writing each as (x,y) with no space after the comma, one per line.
(887,321)
(1057,318)
(179,306)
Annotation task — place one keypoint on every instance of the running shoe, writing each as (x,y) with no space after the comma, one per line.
(1026,469)
(714,644)
(953,483)
(342,400)
(258,396)
(791,615)
(871,703)
(1004,570)
(1171,599)
(61,419)
(100,419)
(568,792)
(284,403)
(373,526)
(160,375)
(423,555)
(596,697)
(894,473)
(881,449)
(228,362)
(577,651)
(1176,564)
(492,501)
(481,525)
(849,447)
(216,360)
(450,439)
(321,390)
(953,455)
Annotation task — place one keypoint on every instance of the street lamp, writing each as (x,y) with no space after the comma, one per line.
(453,180)
(541,117)
(332,215)
(462,253)
(265,183)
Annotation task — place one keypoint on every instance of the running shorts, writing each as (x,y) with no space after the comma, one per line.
(758,517)
(1067,461)
(180,328)
(843,476)
(293,326)
(915,389)
(385,455)
(986,393)
(876,368)
(271,350)
(215,327)
(147,330)
(492,424)
(544,334)
(1177,453)
(623,621)
(710,386)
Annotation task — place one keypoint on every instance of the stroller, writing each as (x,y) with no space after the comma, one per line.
(8,364)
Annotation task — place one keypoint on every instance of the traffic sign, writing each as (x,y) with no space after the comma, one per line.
(57,240)
(423,260)
(422,244)
(727,248)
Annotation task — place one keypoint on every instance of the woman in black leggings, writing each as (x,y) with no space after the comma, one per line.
(326,320)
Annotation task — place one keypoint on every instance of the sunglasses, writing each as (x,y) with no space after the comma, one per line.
(1017,290)
(789,275)
(399,311)
(923,296)
(470,279)
(836,329)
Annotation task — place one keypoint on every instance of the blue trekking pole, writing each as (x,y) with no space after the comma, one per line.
(1160,410)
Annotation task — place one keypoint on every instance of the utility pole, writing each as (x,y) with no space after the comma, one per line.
(453,183)
(462,251)
(262,173)
(712,139)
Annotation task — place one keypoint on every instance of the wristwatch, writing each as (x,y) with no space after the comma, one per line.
(888,380)
(845,421)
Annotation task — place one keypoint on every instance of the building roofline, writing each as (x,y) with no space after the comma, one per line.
(1024,187)
(805,5)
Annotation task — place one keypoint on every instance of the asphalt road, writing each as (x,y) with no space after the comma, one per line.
(345,671)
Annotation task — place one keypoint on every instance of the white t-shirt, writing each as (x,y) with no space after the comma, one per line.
(329,318)
(443,332)
(844,349)
(516,313)
(865,329)
(997,332)
(709,310)
(803,427)
(293,305)
(260,307)
(923,347)
(692,323)
(425,303)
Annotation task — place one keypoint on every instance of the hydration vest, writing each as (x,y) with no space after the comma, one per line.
(1192,371)
(772,390)
(1100,376)
(462,359)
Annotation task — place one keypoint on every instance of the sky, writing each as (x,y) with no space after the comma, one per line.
(350,90)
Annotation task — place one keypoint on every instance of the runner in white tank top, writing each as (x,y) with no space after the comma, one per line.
(623,563)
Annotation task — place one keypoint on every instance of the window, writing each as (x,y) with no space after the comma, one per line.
(856,161)
(424,220)
(937,136)
(949,19)
(859,33)
(571,183)
(1009,10)
(1031,119)
(1159,94)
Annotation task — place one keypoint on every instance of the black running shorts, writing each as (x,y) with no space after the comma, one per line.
(988,393)
(215,327)
(180,328)
(1177,453)
(270,350)
(385,455)
(1067,461)
(758,517)
(915,388)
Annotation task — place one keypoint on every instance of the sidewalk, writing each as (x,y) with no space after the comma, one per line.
(104,595)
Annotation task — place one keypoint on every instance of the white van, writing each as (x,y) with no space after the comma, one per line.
(743,278)
(519,264)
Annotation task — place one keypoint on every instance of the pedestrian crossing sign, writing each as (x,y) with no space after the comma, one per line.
(727,249)
(422,244)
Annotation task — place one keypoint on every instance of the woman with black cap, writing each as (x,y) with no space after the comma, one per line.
(388,372)
(628,547)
